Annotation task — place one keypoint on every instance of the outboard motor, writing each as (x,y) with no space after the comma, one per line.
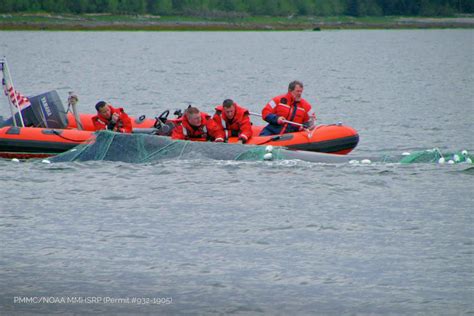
(46,110)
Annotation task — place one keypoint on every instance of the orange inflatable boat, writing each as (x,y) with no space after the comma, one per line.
(335,139)
(50,130)
(35,142)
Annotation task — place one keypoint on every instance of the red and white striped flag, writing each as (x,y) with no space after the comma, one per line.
(15,96)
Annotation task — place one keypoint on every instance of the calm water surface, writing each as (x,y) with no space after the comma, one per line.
(242,237)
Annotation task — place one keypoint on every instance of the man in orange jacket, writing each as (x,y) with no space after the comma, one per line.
(233,120)
(290,107)
(110,118)
(196,125)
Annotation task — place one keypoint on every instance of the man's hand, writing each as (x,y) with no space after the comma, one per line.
(280,120)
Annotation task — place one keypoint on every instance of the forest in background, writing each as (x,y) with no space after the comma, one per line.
(245,8)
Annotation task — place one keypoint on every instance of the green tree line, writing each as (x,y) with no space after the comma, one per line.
(246,7)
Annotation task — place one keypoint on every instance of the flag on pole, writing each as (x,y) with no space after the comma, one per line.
(15,96)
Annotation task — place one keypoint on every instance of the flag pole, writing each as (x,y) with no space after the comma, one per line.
(10,105)
(6,74)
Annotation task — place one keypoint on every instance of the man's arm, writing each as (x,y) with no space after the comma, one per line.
(268,112)
(126,123)
(218,128)
(245,129)
(215,131)
(178,132)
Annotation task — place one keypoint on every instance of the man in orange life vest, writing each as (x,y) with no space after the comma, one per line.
(233,120)
(198,126)
(290,107)
(110,118)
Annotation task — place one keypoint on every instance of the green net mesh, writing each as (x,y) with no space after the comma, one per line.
(436,156)
(140,148)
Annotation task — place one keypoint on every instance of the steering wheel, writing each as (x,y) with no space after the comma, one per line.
(161,119)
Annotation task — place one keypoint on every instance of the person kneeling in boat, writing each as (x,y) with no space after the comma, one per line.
(110,118)
(233,120)
(290,107)
(197,126)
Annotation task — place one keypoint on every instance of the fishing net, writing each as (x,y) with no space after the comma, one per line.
(436,156)
(140,148)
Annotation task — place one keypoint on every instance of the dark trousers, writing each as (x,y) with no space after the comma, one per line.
(272,129)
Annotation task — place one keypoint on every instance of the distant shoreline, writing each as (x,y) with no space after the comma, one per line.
(95,22)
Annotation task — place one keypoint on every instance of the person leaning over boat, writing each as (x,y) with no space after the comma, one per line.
(291,107)
(110,118)
(196,125)
(233,120)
